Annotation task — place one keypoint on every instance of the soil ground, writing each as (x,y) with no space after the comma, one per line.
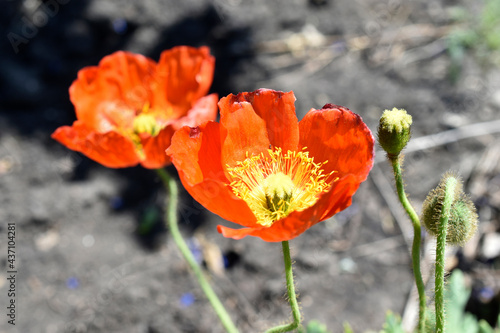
(91,252)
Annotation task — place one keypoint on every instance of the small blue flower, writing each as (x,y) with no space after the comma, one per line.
(72,283)
(195,249)
(187,299)
(116,203)
(120,25)
(486,294)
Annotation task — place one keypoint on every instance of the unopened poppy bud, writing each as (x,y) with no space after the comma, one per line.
(394,131)
(462,221)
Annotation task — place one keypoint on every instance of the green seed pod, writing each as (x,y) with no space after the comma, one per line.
(394,131)
(462,221)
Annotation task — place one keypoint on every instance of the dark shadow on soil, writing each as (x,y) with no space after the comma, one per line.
(230,46)
(42,61)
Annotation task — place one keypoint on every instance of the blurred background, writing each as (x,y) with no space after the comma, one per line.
(92,251)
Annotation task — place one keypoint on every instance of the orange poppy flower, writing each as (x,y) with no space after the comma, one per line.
(129,106)
(261,168)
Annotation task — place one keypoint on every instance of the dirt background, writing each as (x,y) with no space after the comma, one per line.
(91,252)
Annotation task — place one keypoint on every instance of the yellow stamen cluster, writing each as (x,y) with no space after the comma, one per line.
(146,123)
(274,184)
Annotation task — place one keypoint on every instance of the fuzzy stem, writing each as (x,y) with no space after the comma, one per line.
(171,217)
(451,184)
(292,298)
(415,251)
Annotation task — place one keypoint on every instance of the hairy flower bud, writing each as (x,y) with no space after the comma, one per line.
(462,221)
(394,131)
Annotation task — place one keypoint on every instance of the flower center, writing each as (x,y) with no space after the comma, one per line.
(276,184)
(146,123)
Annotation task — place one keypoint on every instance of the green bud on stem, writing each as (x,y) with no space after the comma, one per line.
(462,221)
(394,131)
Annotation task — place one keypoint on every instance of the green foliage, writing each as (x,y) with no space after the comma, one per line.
(150,217)
(457,320)
(392,324)
(347,328)
(314,326)
(481,35)
(490,24)
(457,295)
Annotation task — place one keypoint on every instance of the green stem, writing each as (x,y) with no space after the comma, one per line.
(292,298)
(415,251)
(171,216)
(451,184)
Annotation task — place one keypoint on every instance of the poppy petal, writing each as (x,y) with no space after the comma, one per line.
(109,149)
(294,228)
(339,136)
(340,197)
(337,199)
(154,149)
(203,110)
(184,74)
(243,132)
(119,81)
(196,153)
(281,230)
(277,109)
(236,233)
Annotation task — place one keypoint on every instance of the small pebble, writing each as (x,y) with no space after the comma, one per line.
(348,265)
(491,245)
(88,241)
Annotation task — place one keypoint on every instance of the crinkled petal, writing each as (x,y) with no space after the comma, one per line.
(338,198)
(280,232)
(109,149)
(121,81)
(243,132)
(196,153)
(154,149)
(236,233)
(277,109)
(184,74)
(203,110)
(339,136)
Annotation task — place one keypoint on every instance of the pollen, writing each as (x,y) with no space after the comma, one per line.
(146,123)
(274,184)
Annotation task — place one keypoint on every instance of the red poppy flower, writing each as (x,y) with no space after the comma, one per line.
(261,168)
(129,106)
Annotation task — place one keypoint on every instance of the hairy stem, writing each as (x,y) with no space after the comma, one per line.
(292,298)
(415,251)
(171,217)
(451,184)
